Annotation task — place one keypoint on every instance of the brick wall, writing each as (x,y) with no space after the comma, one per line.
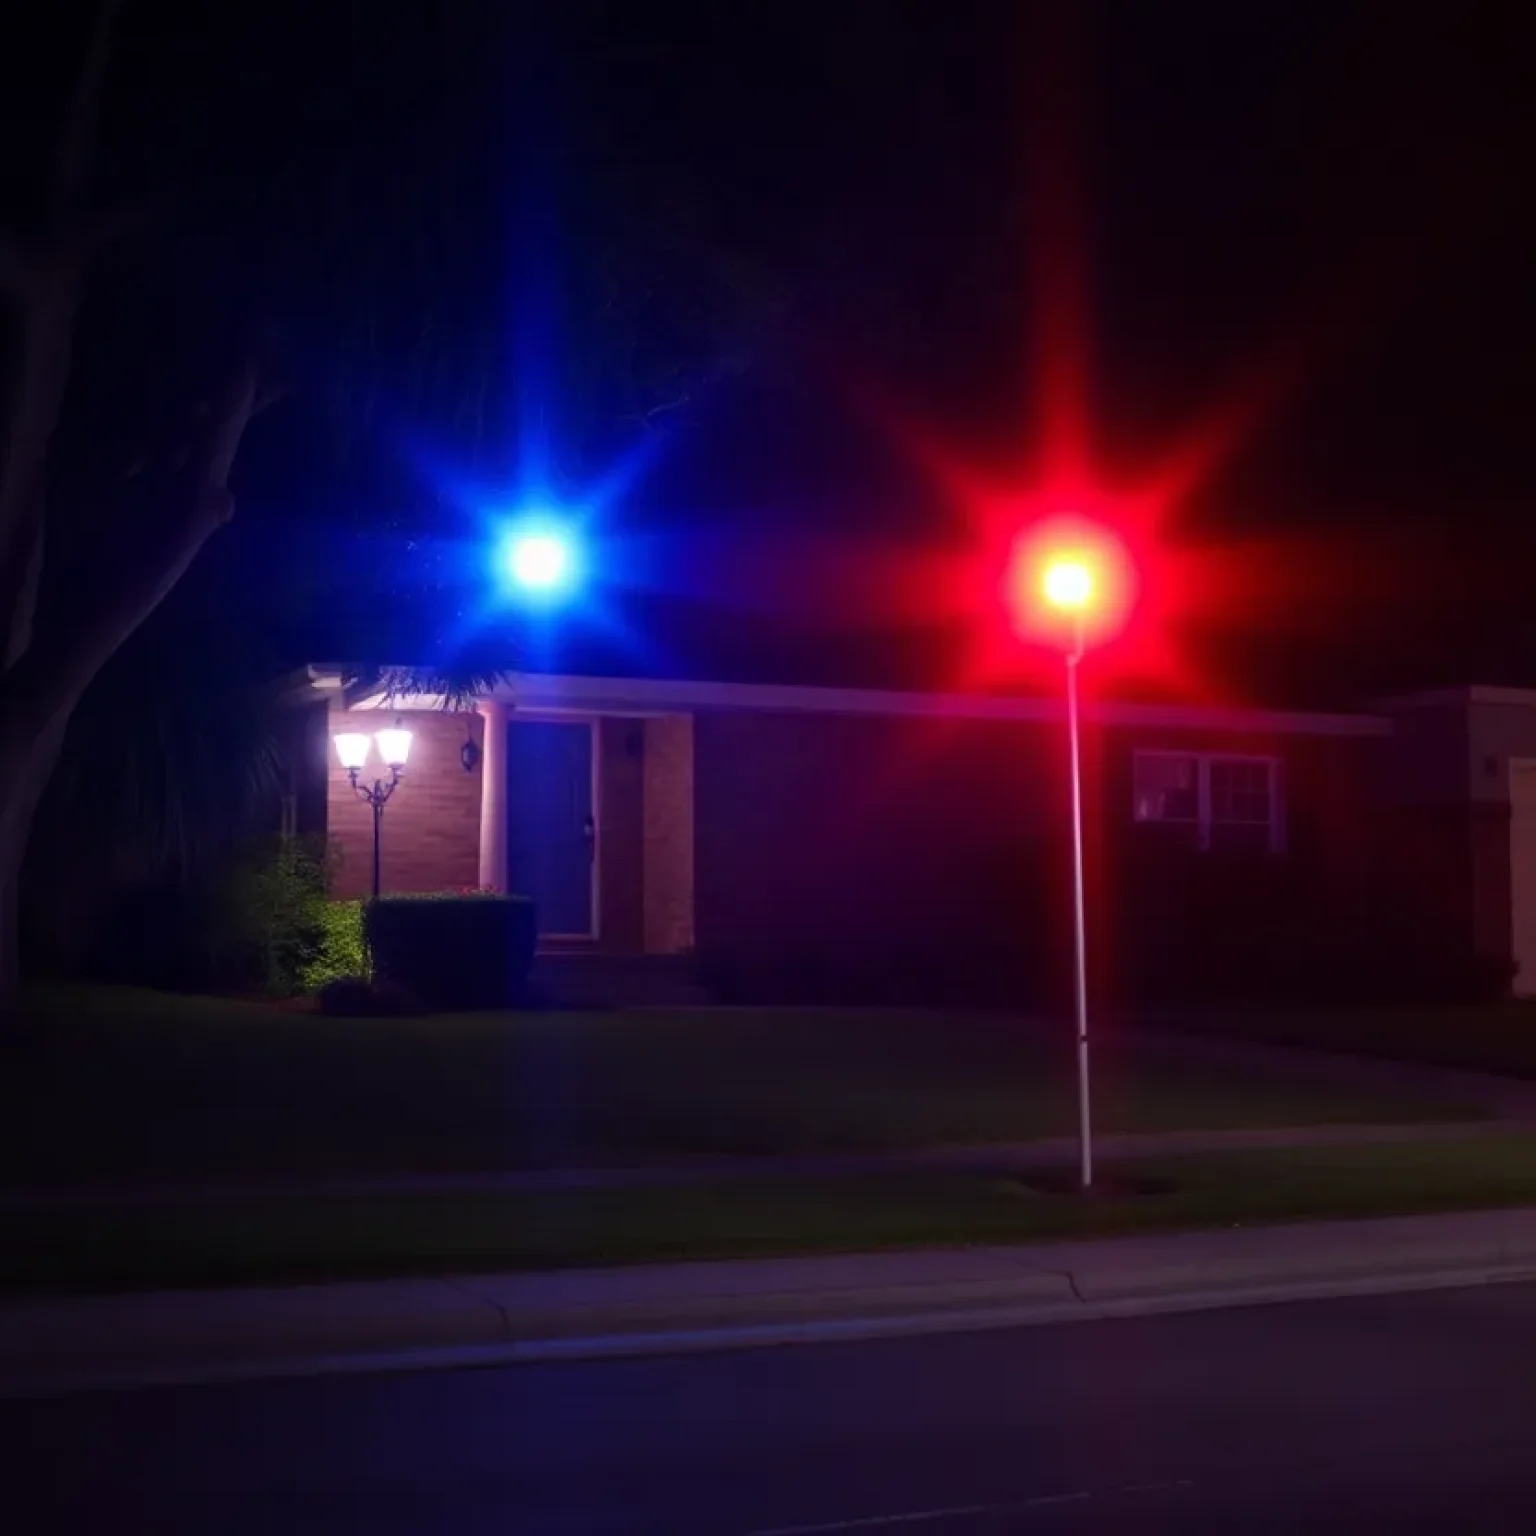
(1447,888)
(1492,887)
(818,855)
(431,825)
(868,857)
(668,834)
(1446,893)
(1184,923)
(879,858)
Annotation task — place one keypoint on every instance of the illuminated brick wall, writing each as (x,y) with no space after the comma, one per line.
(431,824)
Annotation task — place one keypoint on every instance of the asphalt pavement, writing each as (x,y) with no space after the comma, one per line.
(1401,1412)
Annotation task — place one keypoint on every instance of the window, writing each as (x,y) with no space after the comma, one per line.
(1242,804)
(1229,803)
(1167,787)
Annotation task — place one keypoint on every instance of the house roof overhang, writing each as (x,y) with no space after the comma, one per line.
(543,693)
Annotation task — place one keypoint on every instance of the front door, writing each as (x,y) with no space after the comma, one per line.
(550,828)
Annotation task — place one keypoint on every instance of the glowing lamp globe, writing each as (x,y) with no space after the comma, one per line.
(394,746)
(1068,584)
(540,561)
(351,750)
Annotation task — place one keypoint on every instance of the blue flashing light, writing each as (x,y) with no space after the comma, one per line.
(540,560)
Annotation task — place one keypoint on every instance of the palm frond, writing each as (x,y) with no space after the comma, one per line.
(458,689)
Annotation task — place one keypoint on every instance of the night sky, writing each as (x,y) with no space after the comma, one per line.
(800,299)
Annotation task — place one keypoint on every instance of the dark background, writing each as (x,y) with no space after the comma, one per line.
(736,279)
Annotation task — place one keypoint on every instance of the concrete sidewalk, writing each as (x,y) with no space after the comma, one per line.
(1054,1152)
(48,1346)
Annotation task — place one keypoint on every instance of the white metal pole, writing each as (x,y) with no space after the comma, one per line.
(1079,921)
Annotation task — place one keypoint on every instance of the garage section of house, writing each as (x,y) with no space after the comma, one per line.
(850,845)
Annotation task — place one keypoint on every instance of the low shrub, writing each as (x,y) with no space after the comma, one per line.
(455,951)
(341,951)
(268,918)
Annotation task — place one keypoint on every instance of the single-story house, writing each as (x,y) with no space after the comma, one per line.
(819,842)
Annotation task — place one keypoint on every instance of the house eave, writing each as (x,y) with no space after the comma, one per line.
(533,692)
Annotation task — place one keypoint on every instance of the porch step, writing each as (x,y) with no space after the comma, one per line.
(569,978)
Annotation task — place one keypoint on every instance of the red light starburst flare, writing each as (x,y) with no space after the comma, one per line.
(1067,575)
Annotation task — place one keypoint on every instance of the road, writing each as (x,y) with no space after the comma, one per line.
(1408,1413)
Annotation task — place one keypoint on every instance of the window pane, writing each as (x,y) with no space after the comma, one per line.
(1167,787)
(1241,793)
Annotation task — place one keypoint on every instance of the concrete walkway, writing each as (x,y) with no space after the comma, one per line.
(999,1156)
(49,1346)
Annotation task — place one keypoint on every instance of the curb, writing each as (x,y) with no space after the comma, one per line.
(732,1338)
(55,1348)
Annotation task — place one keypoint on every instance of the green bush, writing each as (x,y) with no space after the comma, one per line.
(454,951)
(340,951)
(268,918)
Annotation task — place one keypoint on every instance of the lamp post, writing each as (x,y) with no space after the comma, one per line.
(1068,586)
(394,744)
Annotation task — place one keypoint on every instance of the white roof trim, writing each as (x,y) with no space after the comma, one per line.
(1521,698)
(539,692)
(1480,693)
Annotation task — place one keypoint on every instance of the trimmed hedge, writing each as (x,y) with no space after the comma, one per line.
(455,951)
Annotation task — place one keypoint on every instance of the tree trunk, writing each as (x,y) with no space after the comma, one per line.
(24,773)
(45,668)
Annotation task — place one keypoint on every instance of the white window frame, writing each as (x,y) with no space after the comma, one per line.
(1204,815)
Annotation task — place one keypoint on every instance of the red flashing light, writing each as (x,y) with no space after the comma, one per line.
(1068,584)
(1068,569)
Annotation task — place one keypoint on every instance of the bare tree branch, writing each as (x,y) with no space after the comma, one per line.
(23,609)
(13,267)
(43,355)
(68,184)
(42,278)
(53,674)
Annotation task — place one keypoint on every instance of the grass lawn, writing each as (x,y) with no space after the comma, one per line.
(1490,1037)
(319,1238)
(125,1085)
